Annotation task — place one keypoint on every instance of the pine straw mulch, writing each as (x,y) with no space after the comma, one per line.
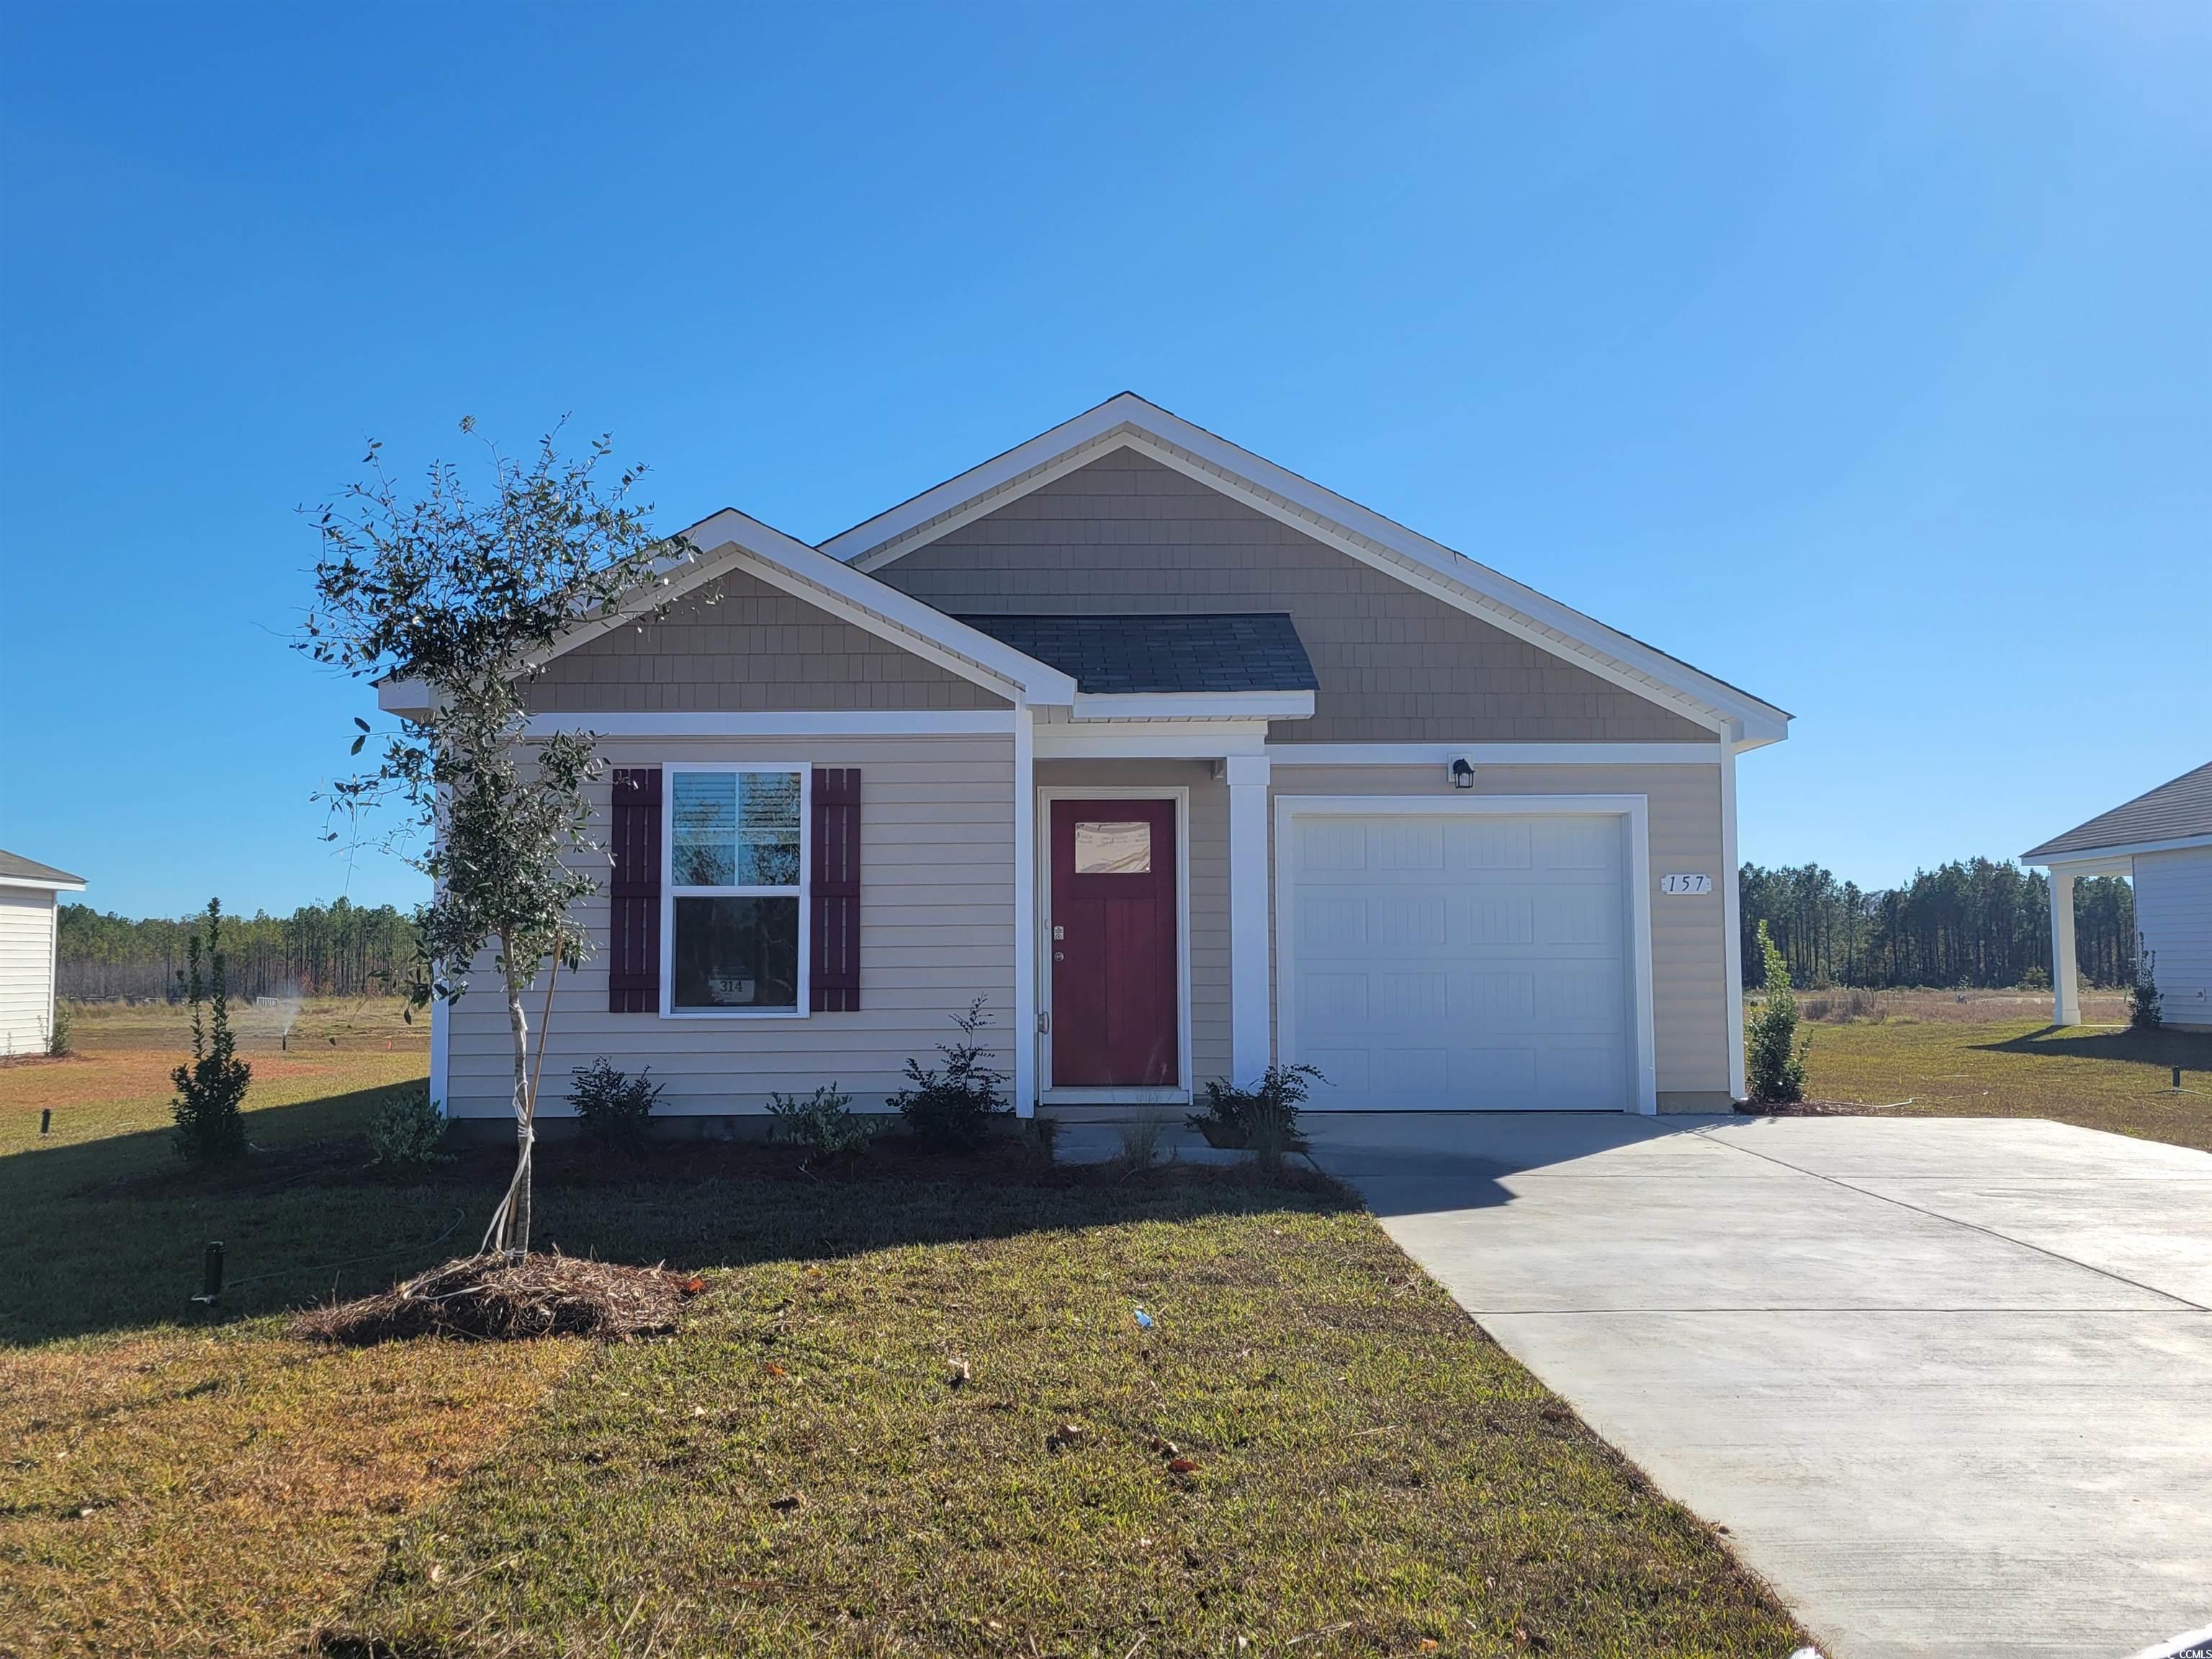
(494,1298)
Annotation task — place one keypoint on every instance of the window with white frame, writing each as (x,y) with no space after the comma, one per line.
(734,926)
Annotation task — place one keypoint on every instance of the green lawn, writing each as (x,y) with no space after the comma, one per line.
(793,1472)
(1930,1055)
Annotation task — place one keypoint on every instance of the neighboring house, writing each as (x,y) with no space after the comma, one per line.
(1183,764)
(29,893)
(2162,842)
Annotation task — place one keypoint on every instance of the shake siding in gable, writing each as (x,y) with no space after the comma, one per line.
(756,649)
(1689,970)
(936,931)
(1126,533)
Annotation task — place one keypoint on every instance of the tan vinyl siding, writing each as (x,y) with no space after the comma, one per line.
(1126,533)
(937,921)
(756,649)
(1689,964)
(1209,883)
(26,970)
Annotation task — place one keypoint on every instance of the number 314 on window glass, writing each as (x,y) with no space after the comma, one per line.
(1685,884)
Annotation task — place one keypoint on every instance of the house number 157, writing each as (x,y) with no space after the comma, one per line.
(1685,884)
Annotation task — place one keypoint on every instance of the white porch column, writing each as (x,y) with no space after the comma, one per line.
(1731,910)
(1025,1036)
(1250,1036)
(2066,994)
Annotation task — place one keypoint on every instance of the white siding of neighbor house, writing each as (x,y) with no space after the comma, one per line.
(1689,972)
(26,970)
(2173,911)
(936,931)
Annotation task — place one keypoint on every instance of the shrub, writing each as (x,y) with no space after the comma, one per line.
(57,1035)
(2146,1006)
(951,1111)
(407,1129)
(1774,1049)
(2035,979)
(210,1089)
(1263,1119)
(821,1122)
(613,1106)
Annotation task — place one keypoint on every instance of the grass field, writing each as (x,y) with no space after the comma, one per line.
(1996,1055)
(793,1472)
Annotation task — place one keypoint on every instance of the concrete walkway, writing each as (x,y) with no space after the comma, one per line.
(1947,1381)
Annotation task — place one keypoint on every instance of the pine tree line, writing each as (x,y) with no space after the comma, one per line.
(1980,922)
(336,949)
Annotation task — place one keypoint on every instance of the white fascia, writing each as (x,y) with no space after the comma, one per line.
(42,884)
(2117,854)
(1194,705)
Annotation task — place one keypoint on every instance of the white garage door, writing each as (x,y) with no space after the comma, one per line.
(1460,962)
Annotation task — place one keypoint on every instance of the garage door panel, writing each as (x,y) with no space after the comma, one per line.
(1579,1079)
(1500,919)
(1579,1001)
(1413,844)
(1331,924)
(1578,916)
(1504,1003)
(1416,1002)
(1492,1079)
(1332,844)
(1413,918)
(1585,843)
(1488,844)
(1467,962)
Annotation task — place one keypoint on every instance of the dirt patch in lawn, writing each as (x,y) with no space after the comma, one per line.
(495,1299)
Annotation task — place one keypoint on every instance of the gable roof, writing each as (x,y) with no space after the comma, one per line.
(16,870)
(1126,420)
(2180,810)
(1247,651)
(731,540)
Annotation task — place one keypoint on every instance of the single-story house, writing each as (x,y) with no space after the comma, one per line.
(29,896)
(2162,841)
(1182,764)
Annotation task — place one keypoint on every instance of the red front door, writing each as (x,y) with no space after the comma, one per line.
(1115,1023)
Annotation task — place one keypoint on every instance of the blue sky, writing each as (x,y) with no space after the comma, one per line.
(1861,357)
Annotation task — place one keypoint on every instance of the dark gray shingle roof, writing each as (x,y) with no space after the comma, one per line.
(2170,812)
(23,869)
(1249,651)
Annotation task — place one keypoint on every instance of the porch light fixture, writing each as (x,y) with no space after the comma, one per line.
(1460,773)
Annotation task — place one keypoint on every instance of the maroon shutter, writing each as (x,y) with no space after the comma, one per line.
(634,927)
(836,890)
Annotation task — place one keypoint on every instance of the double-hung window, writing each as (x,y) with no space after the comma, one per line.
(734,930)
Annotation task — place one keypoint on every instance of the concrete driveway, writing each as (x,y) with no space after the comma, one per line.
(1948,1383)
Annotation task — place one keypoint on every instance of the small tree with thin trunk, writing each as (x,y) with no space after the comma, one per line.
(466,598)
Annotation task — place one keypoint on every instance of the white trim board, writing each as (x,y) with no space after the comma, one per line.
(2122,850)
(1643,1083)
(1495,754)
(42,884)
(1128,420)
(1041,851)
(794,723)
(1194,705)
(1152,740)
